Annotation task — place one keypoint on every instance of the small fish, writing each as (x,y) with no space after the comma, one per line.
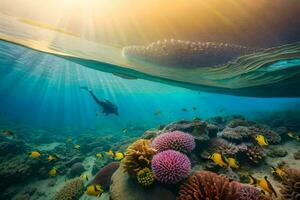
(157,113)
(34,154)
(110,153)
(77,146)
(261,140)
(94,190)
(8,133)
(53,172)
(252,180)
(98,155)
(233,163)
(218,159)
(194,108)
(84,177)
(277,171)
(293,135)
(125,130)
(184,110)
(265,184)
(52,157)
(119,155)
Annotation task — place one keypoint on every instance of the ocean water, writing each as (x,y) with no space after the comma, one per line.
(149,100)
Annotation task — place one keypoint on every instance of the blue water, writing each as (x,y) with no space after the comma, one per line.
(42,90)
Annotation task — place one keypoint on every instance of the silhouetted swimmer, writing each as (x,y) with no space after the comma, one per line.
(107,106)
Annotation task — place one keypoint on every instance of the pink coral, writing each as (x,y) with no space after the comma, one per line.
(170,166)
(175,140)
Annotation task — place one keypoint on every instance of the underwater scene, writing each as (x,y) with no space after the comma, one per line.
(150,100)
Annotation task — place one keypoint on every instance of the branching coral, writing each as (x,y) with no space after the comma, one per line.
(175,140)
(255,154)
(138,156)
(72,190)
(170,166)
(206,185)
(145,177)
(291,184)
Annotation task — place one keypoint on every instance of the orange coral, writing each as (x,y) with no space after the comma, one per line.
(138,156)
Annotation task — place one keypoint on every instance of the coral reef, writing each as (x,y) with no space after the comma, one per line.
(72,190)
(291,184)
(205,185)
(138,156)
(170,166)
(271,136)
(176,140)
(276,151)
(145,177)
(255,154)
(236,134)
(103,177)
(201,130)
(221,145)
(239,122)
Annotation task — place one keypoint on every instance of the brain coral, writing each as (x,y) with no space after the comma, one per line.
(145,177)
(175,140)
(170,166)
(208,185)
(138,156)
(255,154)
(72,190)
(291,184)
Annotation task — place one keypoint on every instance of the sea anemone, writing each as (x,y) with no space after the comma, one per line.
(145,177)
(170,166)
(72,190)
(138,156)
(291,184)
(176,140)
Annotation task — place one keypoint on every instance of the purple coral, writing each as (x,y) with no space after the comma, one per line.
(249,193)
(175,140)
(170,166)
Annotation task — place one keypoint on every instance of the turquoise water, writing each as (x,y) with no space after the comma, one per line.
(43,90)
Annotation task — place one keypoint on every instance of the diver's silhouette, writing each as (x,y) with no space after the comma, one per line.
(107,106)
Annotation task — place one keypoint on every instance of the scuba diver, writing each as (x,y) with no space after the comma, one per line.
(107,106)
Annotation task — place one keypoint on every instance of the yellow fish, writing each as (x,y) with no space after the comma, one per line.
(84,177)
(233,163)
(110,153)
(94,190)
(264,184)
(98,155)
(34,154)
(53,172)
(218,159)
(77,146)
(51,158)
(119,155)
(277,171)
(261,140)
(267,186)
